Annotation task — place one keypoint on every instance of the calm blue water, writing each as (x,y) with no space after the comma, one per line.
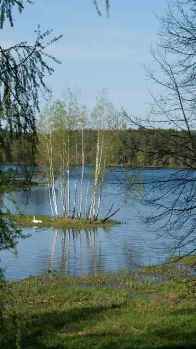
(125,246)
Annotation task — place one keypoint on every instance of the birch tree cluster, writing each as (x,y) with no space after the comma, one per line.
(83,198)
(63,149)
(69,116)
(65,143)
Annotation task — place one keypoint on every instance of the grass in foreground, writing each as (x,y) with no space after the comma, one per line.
(61,222)
(112,311)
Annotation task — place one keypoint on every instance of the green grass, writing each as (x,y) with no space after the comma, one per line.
(181,266)
(112,311)
(61,222)
(186,260)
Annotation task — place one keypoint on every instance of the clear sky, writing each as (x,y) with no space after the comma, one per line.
(97,52)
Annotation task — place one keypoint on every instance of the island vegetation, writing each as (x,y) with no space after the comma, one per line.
(60,222)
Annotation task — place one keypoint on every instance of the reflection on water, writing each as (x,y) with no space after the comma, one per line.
(77,252)
(71,245)
(124,246)
(70,252)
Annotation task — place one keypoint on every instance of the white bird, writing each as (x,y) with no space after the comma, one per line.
(36,220)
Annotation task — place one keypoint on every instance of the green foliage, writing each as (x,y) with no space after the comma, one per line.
(10,234)
(135,148)
(67,114)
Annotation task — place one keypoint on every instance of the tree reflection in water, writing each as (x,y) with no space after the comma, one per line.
(73,245)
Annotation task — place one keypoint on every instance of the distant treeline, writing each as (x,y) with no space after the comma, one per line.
(131,147)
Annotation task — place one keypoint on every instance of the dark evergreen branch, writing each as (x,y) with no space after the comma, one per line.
(7,8)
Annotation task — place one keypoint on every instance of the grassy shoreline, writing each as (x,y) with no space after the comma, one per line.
(108,311)
(60,222)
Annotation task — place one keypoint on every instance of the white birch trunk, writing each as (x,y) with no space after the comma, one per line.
(82,177)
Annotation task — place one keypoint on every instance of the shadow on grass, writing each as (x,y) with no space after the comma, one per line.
(75,329)
(57,323)
(68,330)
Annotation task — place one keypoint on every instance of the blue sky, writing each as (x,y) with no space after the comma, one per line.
(97,52)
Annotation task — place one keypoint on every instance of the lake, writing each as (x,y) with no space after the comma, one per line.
(125,246)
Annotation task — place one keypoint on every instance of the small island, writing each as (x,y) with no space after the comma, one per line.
(61,222)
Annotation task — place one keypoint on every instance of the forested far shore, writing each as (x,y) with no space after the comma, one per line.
(131,147)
